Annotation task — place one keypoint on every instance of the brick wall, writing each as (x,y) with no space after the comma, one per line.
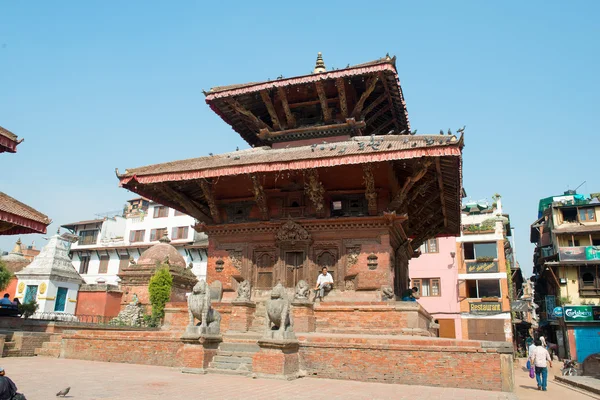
(407,360)
(176,316)
(105,303)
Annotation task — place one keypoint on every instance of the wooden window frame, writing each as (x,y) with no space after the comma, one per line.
(427,247)
(179,214)
(175,232)
(84,264)
(477,288)
(585,213)
(158,212)
(123,261)
(154,232)
(418,282)
(103,266)
(133,235)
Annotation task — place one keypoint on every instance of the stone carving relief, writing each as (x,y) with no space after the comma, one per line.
(292,232)
(302,291)
(219,265)
(244,291)
(236,259)
(350,282)
(353,253)
(216,291)
(387,293)
(131,315)
(279,323)
(199,307)
(370,193)
(314,190)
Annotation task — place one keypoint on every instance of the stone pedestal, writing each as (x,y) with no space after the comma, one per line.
(276,359)
(242,313)
(199,352)
(303,316)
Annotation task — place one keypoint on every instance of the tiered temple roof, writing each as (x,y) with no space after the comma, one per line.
(358,100)
(8,141)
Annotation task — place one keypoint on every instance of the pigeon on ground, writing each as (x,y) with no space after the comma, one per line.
(63,392)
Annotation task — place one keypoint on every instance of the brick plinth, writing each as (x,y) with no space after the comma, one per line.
(197,354)
(242,314)
(276,359)
(177,318)
(408,360)
(303,316)
(381,318)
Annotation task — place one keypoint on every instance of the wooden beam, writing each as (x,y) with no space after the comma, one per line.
(241,110)
(389,96)
(378,114)
(339,83)
(210,199)
(382,127)
(191,208)
(408,184)
(371,106)
(350,124)
(312,102)
(291,121)
(440,179)
(260,197)
(267,100)
(371,83)
(323,100)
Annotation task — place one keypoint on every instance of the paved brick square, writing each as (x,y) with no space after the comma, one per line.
(40,378)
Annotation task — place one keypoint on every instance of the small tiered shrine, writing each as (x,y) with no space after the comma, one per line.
(334,178)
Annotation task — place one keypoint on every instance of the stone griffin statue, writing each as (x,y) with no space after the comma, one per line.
(302,291)
(199,307)
(244,291)
(279,324)
(387,293)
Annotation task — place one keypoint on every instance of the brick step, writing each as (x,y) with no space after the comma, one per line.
(232,359)
(12,353)
(227,372)
(245,368)
(56,338)
(9,345)
(51,345)
(45,352)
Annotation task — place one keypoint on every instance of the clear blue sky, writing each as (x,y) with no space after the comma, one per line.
(95,85)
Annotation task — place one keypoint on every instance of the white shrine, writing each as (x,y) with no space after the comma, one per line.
(50,279)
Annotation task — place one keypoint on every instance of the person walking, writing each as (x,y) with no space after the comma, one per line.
(540,358)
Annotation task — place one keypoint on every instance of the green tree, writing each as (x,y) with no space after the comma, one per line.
(160,291)
(5,276)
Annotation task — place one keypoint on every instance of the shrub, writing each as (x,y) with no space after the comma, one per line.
(5,276)
(160,291)
(28,309)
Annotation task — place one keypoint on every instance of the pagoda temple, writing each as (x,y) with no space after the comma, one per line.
(334,178)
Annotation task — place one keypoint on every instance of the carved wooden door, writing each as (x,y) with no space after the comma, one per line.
(294,268)
(263,262)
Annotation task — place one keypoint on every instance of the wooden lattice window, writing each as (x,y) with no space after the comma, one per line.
(103,268)
(161,212)
(264,271)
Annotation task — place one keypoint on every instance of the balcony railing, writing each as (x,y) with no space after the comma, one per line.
(579,253)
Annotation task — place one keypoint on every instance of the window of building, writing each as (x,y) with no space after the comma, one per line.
(180,232)
(573,243)
(156,234)
(61,299)
(587,215)
(349,206)
(473,251)
(595,241)
(137,236)
(161,212)
(103,268)
(588,279)
(87,237)
(428,287)
(84,264)
(430,246)
(179,213)
(569,214)
(479,288)
(123,261)
(589,284)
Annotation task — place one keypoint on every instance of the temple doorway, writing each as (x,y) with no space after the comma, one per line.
(294,267)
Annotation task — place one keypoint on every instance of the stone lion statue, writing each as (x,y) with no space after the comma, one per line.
(279,323)
(244,291)
(199,307)
(387,293)
(302,290)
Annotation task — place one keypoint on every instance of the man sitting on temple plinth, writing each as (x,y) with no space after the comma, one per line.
(324,283)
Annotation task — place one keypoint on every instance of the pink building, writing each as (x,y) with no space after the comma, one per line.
(435,273)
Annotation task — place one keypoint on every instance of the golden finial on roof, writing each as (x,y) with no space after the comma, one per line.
(17,249)
(320,66)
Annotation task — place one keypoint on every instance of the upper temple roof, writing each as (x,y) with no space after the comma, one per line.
(357,100)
